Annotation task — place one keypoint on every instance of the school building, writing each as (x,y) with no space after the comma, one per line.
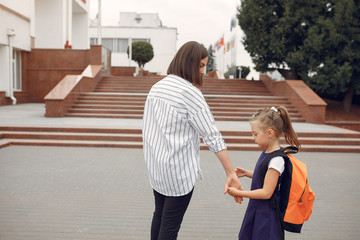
(133,27)
(36,25)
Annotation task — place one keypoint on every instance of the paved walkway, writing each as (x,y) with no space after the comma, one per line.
(103,193)
(32,114)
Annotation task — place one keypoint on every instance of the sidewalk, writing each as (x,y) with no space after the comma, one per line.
(32,114)
(104,193)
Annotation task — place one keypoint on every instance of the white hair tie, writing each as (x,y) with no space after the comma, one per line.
(274,109)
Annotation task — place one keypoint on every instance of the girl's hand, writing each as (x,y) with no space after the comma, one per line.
(233,191)
(240,172)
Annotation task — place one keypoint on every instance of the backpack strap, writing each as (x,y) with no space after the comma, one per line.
(282,152)
(265,164)
(291,149)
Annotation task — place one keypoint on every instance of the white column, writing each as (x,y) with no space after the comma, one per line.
(69,21)
(11,34)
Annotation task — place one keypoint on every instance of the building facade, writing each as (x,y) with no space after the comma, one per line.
(44,24)
(134,27)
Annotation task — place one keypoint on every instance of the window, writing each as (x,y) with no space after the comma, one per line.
(108,43)
(117,45)
(17,83)
(121,45)
(93,41)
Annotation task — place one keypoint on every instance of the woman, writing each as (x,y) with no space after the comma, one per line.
(175,114)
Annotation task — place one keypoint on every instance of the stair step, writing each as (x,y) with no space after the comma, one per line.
(107,106)
(326,141)
(225,133)
(240,101)
(112,98)
(4,143)
(70,130)
(111,103)
(350,135)
(242,112)
(72,136)
(140,116)
(106,111)
(252,104)
(248,110)
(303,140)
(140,110)
(128,144)
(74,143)
(304,148)
(132,138)
(234,118)
(104,115)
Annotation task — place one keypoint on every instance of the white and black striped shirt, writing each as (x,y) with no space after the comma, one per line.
(175,114)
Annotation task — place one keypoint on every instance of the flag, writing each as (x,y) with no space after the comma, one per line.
(233,23)
(222,41)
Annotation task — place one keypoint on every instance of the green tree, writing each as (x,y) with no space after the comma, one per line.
(142,52)
(259,20)
(210,66)
(235,71)
(319,40)
(230,71)
(244,71)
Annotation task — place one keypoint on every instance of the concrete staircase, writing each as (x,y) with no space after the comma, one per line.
(211,86)
(131,105)
(131,138)
(229,100)
(124,97)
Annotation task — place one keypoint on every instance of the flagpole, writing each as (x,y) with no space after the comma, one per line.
(99,22)
(130,50)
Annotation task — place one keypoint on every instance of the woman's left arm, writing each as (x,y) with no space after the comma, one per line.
(231,178)
(270,182)
(203,121)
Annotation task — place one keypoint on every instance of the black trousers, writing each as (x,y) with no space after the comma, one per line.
(168,215)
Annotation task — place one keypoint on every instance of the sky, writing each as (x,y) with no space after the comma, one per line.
(203,21)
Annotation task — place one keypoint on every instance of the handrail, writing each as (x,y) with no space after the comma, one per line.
(306,101)
(65,93)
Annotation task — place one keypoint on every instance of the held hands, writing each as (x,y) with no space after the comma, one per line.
(232,181)
(233,192)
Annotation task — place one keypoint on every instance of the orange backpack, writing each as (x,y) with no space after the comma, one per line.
(296,196)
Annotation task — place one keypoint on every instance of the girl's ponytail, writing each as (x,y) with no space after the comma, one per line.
(290,135)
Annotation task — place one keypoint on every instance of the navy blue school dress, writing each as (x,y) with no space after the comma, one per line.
(260,220)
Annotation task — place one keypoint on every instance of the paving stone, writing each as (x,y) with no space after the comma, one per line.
(104,193)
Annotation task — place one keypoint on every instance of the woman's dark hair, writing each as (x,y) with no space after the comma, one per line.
(186,63)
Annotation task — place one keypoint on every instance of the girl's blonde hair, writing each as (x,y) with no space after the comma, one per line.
(277,119)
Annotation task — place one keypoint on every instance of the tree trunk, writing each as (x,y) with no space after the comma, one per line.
(348,98)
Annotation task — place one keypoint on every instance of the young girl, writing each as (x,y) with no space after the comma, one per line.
(260,220)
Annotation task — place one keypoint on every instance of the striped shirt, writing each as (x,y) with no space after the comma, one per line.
(175,115)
